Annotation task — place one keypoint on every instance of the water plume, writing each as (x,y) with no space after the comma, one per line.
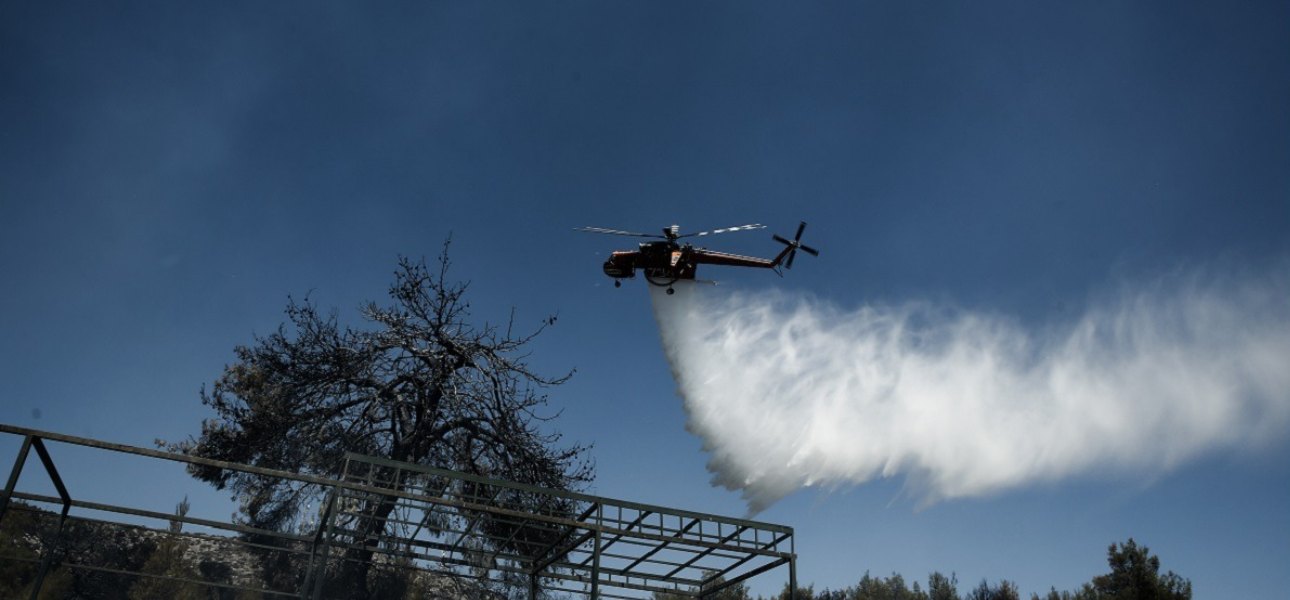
(787,391)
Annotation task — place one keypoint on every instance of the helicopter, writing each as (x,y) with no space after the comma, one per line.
(667,261)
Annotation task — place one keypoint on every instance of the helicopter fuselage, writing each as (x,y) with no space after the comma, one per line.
(662,262)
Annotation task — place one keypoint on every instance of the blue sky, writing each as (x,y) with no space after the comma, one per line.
(169,173)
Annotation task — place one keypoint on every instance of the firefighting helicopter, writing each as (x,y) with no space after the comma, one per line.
(667,261)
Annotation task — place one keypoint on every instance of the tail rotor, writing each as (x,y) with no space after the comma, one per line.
(793,246)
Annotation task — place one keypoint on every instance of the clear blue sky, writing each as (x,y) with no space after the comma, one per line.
(170,172)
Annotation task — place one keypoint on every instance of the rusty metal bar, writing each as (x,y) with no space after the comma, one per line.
(617,537)
(744,577)
(550,554)
(697,557)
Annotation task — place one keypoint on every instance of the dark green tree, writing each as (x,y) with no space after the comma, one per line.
(1135,575)
(1006,590)
(168,574)
(418,383)
(803,593)
(889,588)
(940,587)
(842,594)
(1053,594)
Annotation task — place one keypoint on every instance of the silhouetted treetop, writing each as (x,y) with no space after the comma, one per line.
(418,382)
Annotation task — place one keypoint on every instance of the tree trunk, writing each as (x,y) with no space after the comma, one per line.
(354,572)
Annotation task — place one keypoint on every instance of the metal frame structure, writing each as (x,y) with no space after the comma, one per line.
(456,525)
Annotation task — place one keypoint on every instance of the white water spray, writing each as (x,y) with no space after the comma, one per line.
(788,392)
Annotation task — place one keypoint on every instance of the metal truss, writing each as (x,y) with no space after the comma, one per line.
(454,525)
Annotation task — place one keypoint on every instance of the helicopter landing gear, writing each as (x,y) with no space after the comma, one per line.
(670,291)
(618,283)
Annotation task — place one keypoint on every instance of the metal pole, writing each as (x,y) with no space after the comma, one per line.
(48,550)
(792,569)
(13,475)
(595,556)
(320,570)
(533,587)
(311,573)
(53,474)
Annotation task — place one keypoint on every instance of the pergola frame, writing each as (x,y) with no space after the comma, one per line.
(465,526)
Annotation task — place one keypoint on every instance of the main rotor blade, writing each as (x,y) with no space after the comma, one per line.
(725,230)
(615,232)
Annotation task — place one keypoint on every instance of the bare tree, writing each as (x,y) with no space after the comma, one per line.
(418,384)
